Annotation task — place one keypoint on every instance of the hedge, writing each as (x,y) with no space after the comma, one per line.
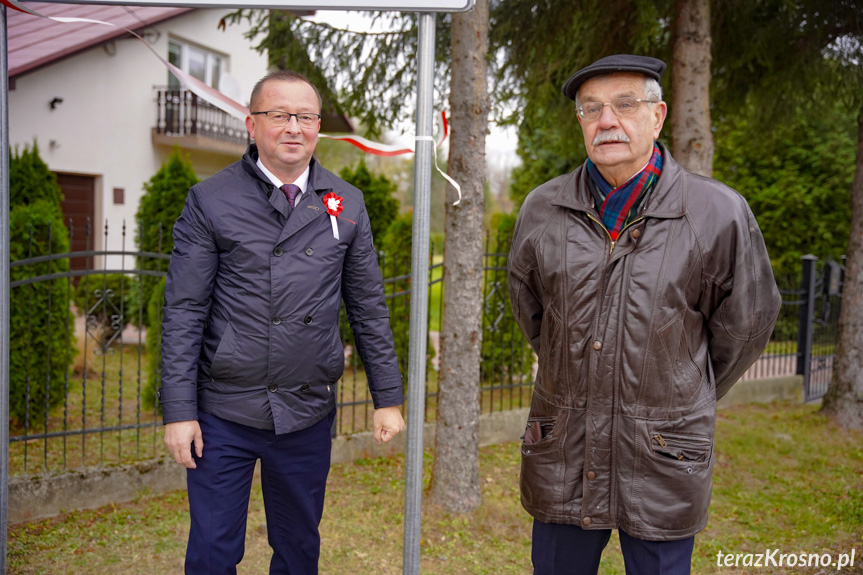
(42,334)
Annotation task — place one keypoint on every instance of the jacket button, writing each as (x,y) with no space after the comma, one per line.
(597,345)
(305,387)
(587,521)
(273,388)
(636,234)
(308,319)
(310,251)
(591,475)
(277,252)
(277,320)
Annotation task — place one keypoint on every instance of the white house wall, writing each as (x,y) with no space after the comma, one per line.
(103,126)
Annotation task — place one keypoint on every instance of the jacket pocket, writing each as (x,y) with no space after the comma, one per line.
(538,429)
(550,376)
(675,367)
(542,459)
(220,369)
(680,447)
(542,475)
(310,402)
(336,366)
(672,481)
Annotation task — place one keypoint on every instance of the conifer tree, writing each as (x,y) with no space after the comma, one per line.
(163,200)
(161,205)
(41,342)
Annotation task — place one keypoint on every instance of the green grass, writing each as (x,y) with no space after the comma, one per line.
(103,392)
(790,347)
(99,400)
(785,478)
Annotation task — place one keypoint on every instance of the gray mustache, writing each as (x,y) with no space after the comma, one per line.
(610,136)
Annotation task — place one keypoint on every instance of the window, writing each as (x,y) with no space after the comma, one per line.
(198,62)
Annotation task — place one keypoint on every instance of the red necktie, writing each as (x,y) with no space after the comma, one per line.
(291,192)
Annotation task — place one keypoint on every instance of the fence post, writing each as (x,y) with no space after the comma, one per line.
(841,281)
(807,316)
(5,276)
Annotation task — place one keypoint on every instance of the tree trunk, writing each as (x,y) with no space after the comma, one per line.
(691,138)
(844,399)
(455,475)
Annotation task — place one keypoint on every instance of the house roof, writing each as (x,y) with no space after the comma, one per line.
(35,42)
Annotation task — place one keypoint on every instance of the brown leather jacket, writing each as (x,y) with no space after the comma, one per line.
(636,341)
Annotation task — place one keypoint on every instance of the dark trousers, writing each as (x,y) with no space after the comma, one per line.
(570,550)
(294,469)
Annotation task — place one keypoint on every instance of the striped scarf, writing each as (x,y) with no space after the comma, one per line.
(622,203)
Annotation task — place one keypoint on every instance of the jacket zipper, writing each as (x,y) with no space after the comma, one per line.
(601,225)
(613,243)
(602,296)
(598,313)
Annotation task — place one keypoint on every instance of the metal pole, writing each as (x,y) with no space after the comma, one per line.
(805,329)
(419,295)
(4,290)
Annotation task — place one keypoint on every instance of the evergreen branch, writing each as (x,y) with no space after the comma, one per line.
(325,25)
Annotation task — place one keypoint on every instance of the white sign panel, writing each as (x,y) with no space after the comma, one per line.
(399,5)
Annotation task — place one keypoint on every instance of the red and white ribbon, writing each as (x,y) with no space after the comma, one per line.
(385,150)
(378,149)
(237,110)
(441,172)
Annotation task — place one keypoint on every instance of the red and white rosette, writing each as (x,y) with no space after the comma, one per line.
(333,205)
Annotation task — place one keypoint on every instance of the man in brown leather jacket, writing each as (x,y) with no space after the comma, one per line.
(646,291)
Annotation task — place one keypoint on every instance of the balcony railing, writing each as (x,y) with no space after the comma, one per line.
(180,113)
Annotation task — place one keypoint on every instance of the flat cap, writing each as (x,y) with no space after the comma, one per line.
(651,67)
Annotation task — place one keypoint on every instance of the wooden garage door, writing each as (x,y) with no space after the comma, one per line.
(79,205)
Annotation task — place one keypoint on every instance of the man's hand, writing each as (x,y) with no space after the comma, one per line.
(179,437)
(388,423)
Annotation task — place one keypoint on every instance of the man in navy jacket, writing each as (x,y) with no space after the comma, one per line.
(264,253)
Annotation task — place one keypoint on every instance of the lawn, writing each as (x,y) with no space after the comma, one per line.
(785,479)
(103,392)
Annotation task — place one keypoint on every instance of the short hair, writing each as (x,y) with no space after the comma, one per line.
(652,91)
(281,76)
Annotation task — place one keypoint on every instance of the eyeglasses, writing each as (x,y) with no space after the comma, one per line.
(591,111)
(305,120)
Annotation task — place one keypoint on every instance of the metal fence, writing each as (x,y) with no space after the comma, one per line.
(804,338)
(84,403)
(182,113)
(92,403)
(821,299)
(780,357)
